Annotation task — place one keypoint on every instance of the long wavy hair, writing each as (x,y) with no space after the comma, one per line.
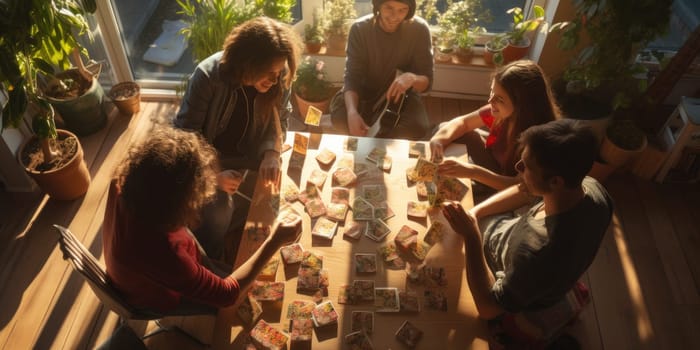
(252,48)
(533,104)
(167,179)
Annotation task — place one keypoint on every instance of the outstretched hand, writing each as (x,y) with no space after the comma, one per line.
(437,151)
(287,231)
(454,168)
(356,125)
(462,222)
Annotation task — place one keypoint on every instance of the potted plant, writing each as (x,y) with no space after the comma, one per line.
(444,46)
(126,96)
(493,49)
(313,34)
(603,79)
(312,87)
(518,37)
(35,37)
(463,46)
(335,19)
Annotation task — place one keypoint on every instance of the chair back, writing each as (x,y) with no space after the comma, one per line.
(85,263)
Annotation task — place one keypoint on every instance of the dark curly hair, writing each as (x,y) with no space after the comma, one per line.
(166,179)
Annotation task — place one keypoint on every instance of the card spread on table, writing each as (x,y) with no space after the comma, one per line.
(388,251)
(359,341)
(450,189)
(290,192)
(425,170)
(312,260)
(417,209)
(351,144)
(324,314)
(292,254)
(409,334)
(420,250)
(317,177)
(308,280)
(315,208)
(362,321)
(344,177)
(267,337)
(249,310)
(435,233)
(354,229)
(374,193)
(386,300)
(416,149)
(310,192)
(411,177)
(269,271)
(325,157)
(406,238)
(340,195)
(287,214)
(364,289)
(384,163)
(301,329)
(313,116)
(377,230)
(301,143)
(336,211)
(376,154)
(365,263)
(414,273)
(324,228)
(362,209)
(382,211)
(267,291)
(347,294)
(409,301)
(347,160)
(300,309)
(434,276)
(435,299)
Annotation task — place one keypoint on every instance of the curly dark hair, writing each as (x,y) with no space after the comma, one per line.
(166,179)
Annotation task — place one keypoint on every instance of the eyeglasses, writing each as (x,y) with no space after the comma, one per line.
(520,166)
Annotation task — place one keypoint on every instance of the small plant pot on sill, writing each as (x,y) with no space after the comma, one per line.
(513,52)
(83,114)
(312,47)
(618,156)
(127,97)
(463,55)
(67,178)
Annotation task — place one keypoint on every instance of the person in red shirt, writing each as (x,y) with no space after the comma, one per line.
(152,257)
(520,98)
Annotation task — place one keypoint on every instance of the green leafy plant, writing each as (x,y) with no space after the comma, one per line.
(312,82)
(210,21)
(36,38)
(427,10)
(522,27)
(336,15)
(463,16)
(313,33)
(495,46)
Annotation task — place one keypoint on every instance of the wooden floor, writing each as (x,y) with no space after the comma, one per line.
(645,281)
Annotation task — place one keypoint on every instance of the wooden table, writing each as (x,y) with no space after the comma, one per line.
(458,328)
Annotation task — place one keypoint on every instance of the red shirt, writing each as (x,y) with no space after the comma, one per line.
(497,150)
(155,270)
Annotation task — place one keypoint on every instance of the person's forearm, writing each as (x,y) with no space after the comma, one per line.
(247,272)
(492,179)
(506,200)
(420,83)
(352,99)
(480,278)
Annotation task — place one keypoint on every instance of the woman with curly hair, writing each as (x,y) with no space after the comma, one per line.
(152,257)
(520,98)
(238,99)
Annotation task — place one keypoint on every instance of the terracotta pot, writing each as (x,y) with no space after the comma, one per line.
(601,171)
(463,55)
(303,105)
(67,182)
(616,156)
(313,47)
(489,55)
(123,96)
(83,115)
(515,52)
(335,44)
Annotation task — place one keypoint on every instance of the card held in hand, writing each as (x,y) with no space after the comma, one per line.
(313,116)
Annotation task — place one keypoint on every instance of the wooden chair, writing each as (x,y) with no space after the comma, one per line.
(89,268)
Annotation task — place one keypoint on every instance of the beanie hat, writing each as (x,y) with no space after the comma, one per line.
(411,7)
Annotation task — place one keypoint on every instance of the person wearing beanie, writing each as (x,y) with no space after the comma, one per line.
(389,59)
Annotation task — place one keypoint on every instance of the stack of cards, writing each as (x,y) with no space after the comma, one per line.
(269,271)
(377,230)
(309,275)
(324,314)
(362,321)
(292,253)
(326,157)
(340,195)
(365,263)
(309,193)
(386,300)
(266,337)
(313,116)
(324,228)
(267,291)
(384,163)
(409,334)
(425,170)
(301,329)
(407,238)
(300,309)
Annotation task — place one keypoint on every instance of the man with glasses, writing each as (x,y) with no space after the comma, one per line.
(389,58)
(525,268)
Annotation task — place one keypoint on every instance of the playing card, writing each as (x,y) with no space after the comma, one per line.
(312,260)
(420,250)
(416,149)
(450,189)
(362,321)
(409,334)
(414,273)
(344,177)
(324,314)
(377,230)
(409,301)
(435,233)
(406,238)
(354,229)
(382,211)
(340,195)
(267,291)
(324,228)
(347,160)
(325,157)
(362,210)
(296,161)
(285,147)
(292,254)
(386,300)
(309,193)
(411,177)
(351,144)
(313,116)
(348,294)
(365,263)
(249,310)
(417,209)
(287,214)
(336,211)
(388,251)
(267,337)
(315,208)
(269,271)
(374,193)
(308,280)
(425,170)
(301,329)
(317,177)
(364,289)
(384,163)
(376,154)
(290,192)
(301,143)
(300,309)
(359,341)
(435,300)
(434,276)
